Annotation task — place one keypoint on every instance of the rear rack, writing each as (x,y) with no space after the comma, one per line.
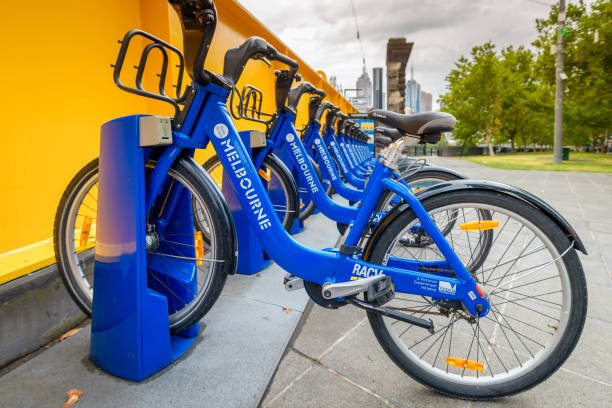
(163,47)
(248,106)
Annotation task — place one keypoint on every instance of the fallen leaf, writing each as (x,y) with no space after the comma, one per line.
(258,274)
(73,397)
(69,333)
(286,309)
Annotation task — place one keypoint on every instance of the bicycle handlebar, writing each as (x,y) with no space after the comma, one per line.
(253,48)
(198,21)
(326,106)
(296,93)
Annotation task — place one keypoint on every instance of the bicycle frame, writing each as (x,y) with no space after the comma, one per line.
(208,120)
(313,138)
(330,140)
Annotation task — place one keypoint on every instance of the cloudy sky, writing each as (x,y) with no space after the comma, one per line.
(323,31)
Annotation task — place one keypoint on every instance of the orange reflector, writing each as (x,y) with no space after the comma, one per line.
(418,189)
(85,230)
(302,206)
(479,225)
(480,292)
(463,363)
(199,247)
(265,174)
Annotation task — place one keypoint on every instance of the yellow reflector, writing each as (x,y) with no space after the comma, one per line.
(463,363)
(479,225)
(418,189)
(302,206)
(199,247)
(265,174)
(85,230)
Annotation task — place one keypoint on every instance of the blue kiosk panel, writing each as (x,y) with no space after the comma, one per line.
(130,335)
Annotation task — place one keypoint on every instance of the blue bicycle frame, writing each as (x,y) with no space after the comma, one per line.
(208,120)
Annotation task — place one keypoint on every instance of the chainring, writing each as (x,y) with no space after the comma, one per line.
(315,292)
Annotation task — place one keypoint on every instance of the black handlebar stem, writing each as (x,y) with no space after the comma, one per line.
(321,109)
(313,108)
(198,21)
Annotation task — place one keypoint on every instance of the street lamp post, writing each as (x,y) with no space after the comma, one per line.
(560,76)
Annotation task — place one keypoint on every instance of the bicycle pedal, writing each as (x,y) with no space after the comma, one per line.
(380,292)
(354,287)
(292,282)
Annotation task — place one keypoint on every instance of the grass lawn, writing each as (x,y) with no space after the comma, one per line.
(589,162)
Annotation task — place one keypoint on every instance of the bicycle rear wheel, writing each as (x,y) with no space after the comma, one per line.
(534,282)
(169,254)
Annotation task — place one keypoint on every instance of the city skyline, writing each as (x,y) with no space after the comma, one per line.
(323,32)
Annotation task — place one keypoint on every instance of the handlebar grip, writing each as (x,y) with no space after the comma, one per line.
(277,56)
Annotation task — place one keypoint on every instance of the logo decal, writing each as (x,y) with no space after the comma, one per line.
(363,271)
(317,142)
(220,131)
(446,287)
(290,137)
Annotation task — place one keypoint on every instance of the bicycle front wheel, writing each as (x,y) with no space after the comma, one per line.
(534,282)
(203,246)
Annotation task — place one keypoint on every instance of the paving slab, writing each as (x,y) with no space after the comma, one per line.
(242,339)
(351,353)
(320,388)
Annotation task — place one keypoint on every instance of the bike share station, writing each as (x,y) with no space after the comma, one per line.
(130,336)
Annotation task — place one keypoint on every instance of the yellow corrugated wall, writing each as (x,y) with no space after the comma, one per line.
(58,91)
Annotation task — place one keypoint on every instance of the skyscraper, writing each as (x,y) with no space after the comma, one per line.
(413,94)
(426,101)
(363,99)
(378,92)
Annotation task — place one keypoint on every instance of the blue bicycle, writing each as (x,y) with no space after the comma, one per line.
(495,330)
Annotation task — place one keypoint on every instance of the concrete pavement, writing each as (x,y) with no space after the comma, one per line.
(335,359)
(332,359)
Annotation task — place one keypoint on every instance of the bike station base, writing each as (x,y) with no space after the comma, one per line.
(130,335)
(230,364)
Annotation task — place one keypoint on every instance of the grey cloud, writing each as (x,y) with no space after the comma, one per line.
(323,31)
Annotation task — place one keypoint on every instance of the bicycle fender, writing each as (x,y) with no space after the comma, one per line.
(511,191)
(471,185)
(444,170)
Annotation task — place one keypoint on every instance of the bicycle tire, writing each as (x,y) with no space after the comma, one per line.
(529,372)
(203,188)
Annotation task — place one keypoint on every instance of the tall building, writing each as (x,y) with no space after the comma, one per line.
(333,81)
(377,74)
(413,94)
(426,101)
(398,53)
(363,98)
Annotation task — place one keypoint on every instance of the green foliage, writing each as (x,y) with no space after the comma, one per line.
(508,96)
(588,66)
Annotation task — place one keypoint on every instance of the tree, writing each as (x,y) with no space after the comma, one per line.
(588,64)
(474,96)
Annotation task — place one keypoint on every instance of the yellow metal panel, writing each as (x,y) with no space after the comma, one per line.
(58,91)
